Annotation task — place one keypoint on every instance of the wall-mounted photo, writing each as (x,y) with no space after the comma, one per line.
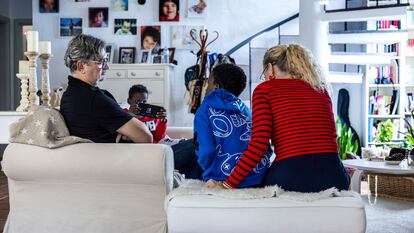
(125,27)
(196,8)
(169,10)
(127,55)
(181,39)
(119,5)
(151,37)
(70,26)
(98,17)
(145,56)
(109,49)
(48,6)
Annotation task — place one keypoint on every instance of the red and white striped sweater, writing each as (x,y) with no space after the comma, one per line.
(295,117)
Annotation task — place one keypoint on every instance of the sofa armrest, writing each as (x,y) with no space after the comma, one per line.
(180,132)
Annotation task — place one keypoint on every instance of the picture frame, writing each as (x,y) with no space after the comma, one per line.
(126,55)
(167,12)
(48,6)
(109,49)
(180,36)
(145,56)
(125,26)
(70,26)
(156,59)
(98,17)
(171,52)
(150,37)
(197,8)
(119,5)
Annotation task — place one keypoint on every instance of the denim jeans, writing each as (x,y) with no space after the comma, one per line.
(185,159)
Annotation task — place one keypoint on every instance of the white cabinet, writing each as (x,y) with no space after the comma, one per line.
(158,78)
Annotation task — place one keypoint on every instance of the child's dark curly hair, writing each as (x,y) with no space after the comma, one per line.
(230,77)
(137,89)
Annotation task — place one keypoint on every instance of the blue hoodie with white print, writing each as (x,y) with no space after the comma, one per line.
(223,127)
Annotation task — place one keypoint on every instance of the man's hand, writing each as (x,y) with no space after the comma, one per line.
(213,184)
(162,115)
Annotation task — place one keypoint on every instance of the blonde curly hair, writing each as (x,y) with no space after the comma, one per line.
(297,61)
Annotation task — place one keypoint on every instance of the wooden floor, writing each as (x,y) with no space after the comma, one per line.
(4,200)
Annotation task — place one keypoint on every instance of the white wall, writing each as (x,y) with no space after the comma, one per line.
(235,20)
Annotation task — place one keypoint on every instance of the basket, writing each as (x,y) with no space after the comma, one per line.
(399,187)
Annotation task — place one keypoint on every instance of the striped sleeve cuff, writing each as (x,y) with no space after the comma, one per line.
(227,186)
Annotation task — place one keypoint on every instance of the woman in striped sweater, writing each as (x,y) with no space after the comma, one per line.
(293,109)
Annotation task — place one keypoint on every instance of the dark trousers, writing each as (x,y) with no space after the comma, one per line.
(308,173)
(185,159)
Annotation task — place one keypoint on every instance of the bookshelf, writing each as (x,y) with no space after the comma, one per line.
(386,83)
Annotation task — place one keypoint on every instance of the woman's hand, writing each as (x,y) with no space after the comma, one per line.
(213,184)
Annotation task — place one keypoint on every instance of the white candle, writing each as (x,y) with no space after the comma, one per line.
(32,41)
(23,67)
(45,47)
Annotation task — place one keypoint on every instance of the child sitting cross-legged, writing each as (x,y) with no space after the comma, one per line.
(222,127)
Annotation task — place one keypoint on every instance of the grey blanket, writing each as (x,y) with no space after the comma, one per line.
(42,126)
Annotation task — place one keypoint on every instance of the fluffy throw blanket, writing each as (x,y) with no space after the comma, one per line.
(42,126)
(195,187)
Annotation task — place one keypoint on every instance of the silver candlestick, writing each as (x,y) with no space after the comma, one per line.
(33,98)
(45,58)
(24,101)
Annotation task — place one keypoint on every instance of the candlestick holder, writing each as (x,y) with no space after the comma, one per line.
(24,101)
(33,98)
(45,58)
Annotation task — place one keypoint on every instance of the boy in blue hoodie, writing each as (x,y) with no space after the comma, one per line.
(222,127)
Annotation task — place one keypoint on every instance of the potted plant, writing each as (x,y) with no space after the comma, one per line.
(344,139)
(385,129)
(410,135)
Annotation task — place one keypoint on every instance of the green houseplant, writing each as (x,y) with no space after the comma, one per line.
(385,129)
(344,138)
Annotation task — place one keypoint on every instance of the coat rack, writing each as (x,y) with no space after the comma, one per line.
(200,83)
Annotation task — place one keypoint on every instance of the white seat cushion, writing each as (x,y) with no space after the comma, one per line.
(205,213)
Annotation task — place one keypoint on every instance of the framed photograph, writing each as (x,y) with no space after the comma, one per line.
(156,59)
(169,10)
(125,27)
(70,26)
(119,5)
(181,39)
(127,55)
(150,37)
(171,52)
(98,17)
(196,8)
(145,56)
(48,6)
(109,49)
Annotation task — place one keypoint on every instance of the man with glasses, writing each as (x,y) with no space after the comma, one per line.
(90,112)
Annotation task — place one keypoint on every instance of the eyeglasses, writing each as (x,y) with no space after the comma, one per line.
(102,63)
(262,76)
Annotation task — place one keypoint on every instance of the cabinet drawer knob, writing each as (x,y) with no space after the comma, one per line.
(157,74)
(133,74)
(118,74)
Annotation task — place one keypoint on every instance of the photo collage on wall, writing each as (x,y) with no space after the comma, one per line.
(150,49)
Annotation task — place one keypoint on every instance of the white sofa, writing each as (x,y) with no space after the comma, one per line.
(122,188)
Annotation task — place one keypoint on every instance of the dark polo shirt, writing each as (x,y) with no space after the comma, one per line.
(91,113)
